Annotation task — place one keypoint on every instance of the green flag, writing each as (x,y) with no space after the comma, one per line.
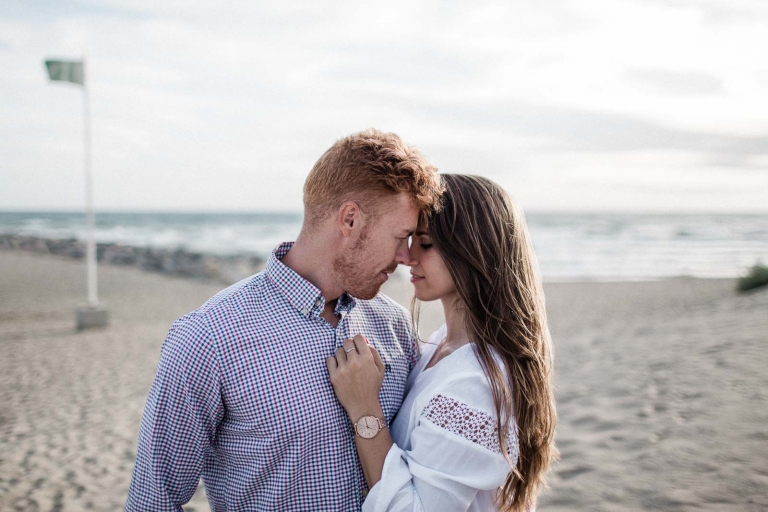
(66,70)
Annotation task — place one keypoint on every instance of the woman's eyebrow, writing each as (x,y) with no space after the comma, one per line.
(420,233)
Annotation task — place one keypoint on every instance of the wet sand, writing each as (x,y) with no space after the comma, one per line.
(662,389)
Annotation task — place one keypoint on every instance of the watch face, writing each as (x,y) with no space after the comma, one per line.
(367,427)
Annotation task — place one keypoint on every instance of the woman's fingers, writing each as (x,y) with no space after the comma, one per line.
(364,348)
(377,359)
(341,356)
(350,347)
(345,352)
(331,363)
(357,346)
(360,344)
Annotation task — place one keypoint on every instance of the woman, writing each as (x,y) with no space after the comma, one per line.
(476,428)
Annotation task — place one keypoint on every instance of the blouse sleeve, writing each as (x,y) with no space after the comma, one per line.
(454,454)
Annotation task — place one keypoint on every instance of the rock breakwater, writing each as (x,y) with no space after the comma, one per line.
(176,262)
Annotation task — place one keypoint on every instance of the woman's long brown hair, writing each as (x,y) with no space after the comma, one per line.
(483,239)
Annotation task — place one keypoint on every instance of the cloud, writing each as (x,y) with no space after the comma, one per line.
(680,83)
(565,129)
(723,11)
(227,105)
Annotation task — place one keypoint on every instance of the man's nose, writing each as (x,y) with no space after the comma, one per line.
(412,259)
(403,255)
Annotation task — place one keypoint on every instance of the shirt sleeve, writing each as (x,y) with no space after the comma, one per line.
(180,420)
(454,453)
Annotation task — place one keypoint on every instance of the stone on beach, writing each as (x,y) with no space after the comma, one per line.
(175,262)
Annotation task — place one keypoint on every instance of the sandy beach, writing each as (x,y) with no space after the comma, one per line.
(661,386)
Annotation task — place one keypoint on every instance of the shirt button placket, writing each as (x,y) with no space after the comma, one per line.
(341,331)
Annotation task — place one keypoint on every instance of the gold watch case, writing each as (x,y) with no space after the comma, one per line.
(368,426)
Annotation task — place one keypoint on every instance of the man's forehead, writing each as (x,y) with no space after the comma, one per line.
(410,223)
(401,215)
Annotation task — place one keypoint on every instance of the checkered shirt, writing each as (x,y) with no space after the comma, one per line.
(242,399)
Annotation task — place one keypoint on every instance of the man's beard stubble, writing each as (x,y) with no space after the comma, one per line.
(355,279)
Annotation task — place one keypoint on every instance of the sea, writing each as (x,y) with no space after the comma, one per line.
(569,246)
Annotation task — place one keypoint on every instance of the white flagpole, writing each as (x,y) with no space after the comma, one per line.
(93,295)
(94,314)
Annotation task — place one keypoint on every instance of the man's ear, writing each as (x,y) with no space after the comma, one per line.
(349,217)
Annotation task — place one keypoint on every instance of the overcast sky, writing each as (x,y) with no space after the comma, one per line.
(653,105)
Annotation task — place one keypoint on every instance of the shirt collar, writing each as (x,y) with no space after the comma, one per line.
(301,294)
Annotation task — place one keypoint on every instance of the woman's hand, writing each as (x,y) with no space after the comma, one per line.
(356,374)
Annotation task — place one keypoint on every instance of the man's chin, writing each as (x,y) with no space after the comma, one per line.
(366,293)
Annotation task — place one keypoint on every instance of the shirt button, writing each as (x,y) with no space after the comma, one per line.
(304,311)
(318,302)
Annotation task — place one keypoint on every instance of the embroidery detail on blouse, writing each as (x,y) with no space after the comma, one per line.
(471,424)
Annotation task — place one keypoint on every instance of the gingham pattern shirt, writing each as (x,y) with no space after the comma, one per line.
(242,399)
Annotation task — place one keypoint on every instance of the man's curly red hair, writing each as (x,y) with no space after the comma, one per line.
(367,167)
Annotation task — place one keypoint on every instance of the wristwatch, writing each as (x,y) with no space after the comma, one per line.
(368,426)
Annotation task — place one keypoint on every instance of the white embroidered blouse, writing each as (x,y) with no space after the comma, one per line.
(446,454)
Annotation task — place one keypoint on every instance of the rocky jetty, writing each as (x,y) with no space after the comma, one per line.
(176,262)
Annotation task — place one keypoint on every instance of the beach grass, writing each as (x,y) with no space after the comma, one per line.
(756,277)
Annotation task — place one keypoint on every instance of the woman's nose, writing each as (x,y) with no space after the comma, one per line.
(413,258)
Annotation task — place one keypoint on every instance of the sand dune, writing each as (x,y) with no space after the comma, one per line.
(662,388)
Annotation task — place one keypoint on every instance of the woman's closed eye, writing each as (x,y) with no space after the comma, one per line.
(425,242)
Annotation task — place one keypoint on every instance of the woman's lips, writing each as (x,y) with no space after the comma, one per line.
(416,278)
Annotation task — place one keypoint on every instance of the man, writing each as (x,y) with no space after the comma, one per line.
(242,396)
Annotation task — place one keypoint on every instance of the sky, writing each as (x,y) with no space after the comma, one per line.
(605,105)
